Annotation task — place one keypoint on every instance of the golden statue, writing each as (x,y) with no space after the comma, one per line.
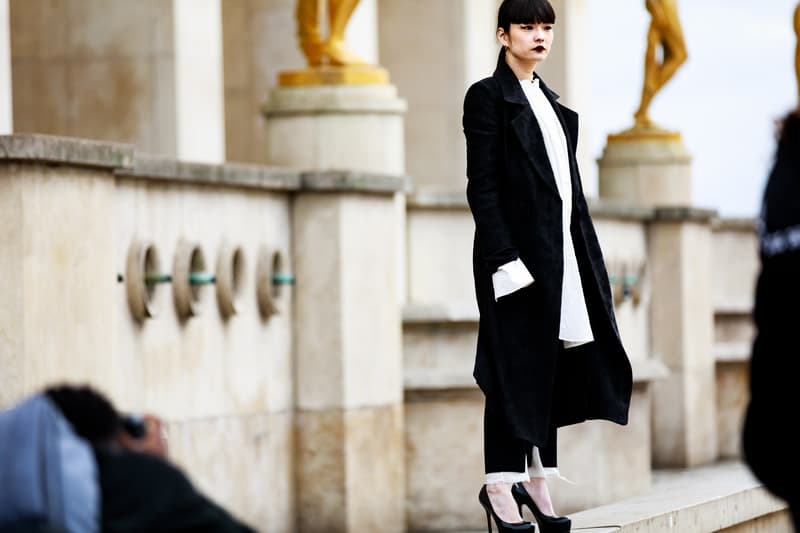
(308,29)
(329,60)
(665,30)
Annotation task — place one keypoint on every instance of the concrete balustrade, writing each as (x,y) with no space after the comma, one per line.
(220,379)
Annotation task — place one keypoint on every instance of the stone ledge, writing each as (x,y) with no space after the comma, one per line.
(646,370)
(431,379)
(352,181)
(439,314)
(227,174)
(334,100)
(732,352)
(616,209)
(445,200)
(696,500)
(684,214)
(65,150)
(747,225)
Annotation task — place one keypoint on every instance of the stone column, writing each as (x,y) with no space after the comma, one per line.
(348,244)
(199,95)
(146,72)
(684,404)
(434,51)
(6,117)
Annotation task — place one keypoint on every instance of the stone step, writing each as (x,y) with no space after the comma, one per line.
(720,497)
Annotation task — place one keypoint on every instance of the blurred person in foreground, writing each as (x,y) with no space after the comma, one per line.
(139,490)
(768,438)
(769,445)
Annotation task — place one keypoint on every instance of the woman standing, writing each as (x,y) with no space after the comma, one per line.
(549,353)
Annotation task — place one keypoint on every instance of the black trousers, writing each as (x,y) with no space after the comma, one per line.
(503,452)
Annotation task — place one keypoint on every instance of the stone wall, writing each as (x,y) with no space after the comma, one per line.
(72,212)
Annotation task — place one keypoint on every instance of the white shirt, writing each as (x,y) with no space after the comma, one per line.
(575,328)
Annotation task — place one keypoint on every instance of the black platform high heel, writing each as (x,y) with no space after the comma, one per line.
(483,497)
(547,523)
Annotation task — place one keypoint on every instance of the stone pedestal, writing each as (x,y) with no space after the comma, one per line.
(336,127)
(684,404)
(647,169)
(347,241)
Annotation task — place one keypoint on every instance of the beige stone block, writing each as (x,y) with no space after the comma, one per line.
(118,28)
(85,68)
(624,245)
(367,143)
(702,437)
(243,463)
(38,29)
(732,328)
(207,365)
(161,126)
(647,172)
(58,252)
(351,470)
(409,30)
(38,91)
(447,349)
(684,431)
(669,421)
(256,33)
(735,265)
(344,247)
(12,317)
(236,38)
(444,462)
(607,462)
(733,395)
(372,327)
(440,257)
(111,100)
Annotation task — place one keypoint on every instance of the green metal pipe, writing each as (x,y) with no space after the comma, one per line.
(151,278)
(202,278)
(283,279)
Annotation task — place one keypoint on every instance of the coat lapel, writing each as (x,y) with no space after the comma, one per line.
(524,124)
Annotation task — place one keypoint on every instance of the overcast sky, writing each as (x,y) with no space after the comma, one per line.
(739,79)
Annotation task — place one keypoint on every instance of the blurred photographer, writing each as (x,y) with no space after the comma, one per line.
(139,490)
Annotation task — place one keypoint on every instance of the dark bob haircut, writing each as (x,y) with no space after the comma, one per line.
(524,12)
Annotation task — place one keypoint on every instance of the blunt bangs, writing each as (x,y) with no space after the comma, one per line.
(525,12)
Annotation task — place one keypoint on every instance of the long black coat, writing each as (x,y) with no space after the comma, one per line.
(517,210)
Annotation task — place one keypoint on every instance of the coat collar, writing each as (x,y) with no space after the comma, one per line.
(524,123)
(509,83)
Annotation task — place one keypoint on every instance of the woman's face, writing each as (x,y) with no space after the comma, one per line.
(528,42)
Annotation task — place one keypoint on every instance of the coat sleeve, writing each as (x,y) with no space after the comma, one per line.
(482,125)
